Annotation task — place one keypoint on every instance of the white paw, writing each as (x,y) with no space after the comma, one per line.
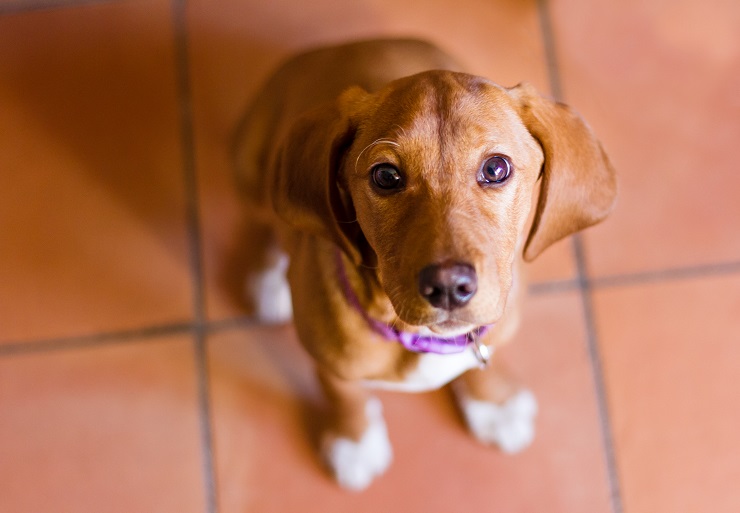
(271,293)
(510,426)
(356,463)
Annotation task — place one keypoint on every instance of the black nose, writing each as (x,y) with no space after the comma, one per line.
(448,286)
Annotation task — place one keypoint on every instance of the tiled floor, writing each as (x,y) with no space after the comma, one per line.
(130,377)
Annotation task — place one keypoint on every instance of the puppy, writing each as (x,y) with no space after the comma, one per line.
(400,197)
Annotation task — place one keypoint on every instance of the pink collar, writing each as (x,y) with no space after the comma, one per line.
(414,341)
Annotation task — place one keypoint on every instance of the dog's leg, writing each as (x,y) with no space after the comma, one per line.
(355,444)
(498,411)
(268,287)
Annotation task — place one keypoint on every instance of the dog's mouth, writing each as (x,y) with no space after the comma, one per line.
(447,324)
(451,328)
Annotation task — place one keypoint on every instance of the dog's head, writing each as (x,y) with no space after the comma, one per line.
(433,178)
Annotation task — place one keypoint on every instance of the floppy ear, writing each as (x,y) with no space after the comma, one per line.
(578,184)
(304,182)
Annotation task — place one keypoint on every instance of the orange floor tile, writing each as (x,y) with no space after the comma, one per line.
(667,111)
(105,428)
(676,429)
(92,213)
(131,378)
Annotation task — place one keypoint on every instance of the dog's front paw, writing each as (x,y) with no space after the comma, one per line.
(510,426)
(356,463)
(270,292)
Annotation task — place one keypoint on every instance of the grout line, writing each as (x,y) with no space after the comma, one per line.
(230,323)
(192,212)
(597,368)
(179,10)
(206,428)
(17,347)
(548,39)
(97,339)
(553,287)
(25,6)
(667,275)
(585,285)
(11,347)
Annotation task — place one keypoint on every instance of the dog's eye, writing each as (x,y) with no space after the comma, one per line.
(387,177)
(496,170)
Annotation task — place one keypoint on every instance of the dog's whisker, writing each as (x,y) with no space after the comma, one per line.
(403,131)
(375,143)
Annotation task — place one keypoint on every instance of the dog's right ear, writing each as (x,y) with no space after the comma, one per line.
(304,185)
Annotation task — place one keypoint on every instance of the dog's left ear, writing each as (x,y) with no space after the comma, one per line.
(578,184)
(304,186)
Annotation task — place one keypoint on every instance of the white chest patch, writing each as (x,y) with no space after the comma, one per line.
(432,372)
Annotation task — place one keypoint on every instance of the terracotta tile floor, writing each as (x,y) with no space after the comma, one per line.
(131,378)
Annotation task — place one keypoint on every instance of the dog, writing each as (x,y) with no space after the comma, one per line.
(400,196)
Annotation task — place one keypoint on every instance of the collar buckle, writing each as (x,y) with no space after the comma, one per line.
(482,352)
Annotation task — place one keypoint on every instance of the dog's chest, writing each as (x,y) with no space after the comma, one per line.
(431,372)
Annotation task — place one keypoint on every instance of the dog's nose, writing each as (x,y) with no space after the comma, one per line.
(448,286)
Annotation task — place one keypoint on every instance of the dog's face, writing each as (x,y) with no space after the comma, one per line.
(441,175)
(436,174)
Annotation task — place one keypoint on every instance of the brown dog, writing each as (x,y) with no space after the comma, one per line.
(402,192)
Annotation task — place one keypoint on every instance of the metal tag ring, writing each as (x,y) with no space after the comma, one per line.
(482,352)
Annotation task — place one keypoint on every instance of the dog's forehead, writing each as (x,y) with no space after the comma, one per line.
(439,115)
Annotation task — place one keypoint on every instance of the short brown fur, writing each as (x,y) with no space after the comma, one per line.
(304,153)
